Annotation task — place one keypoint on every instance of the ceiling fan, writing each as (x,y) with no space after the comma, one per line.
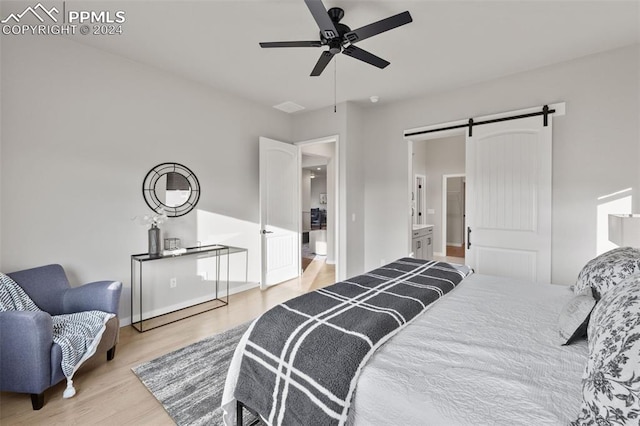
(340,38)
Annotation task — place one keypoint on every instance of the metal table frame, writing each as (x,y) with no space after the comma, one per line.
(216,250)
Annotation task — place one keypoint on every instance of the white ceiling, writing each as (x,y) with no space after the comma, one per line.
(450,44)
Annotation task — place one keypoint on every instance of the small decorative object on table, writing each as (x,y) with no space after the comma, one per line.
(172,247)
(171,243)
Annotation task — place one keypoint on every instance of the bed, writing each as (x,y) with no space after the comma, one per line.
(486,353)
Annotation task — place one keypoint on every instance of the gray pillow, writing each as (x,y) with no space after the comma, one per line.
(607,270)
(574,318)
(611,380)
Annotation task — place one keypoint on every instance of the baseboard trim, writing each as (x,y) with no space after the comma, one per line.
(126,321)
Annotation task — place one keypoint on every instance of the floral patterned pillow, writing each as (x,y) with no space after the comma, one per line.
(607,270)
(611,380)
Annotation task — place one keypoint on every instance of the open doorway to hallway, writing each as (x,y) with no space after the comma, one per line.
(319,198)
(314,207)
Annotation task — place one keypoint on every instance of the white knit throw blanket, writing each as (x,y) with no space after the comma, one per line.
(77,334)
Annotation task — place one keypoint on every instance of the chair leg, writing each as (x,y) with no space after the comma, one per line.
(37,400)
(111,353)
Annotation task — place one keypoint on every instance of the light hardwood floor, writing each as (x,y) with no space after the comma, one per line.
(110,394)
(450,259)
(454,251)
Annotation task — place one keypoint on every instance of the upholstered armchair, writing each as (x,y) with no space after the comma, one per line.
(29,360)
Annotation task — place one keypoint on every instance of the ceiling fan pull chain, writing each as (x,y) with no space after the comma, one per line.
(335,84)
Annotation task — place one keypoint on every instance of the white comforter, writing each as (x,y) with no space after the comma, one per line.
(488,353)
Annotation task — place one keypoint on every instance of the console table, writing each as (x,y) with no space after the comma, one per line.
(141,322)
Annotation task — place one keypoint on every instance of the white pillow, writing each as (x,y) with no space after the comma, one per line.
(574,318)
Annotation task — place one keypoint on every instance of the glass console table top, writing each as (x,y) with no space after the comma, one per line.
(145,257)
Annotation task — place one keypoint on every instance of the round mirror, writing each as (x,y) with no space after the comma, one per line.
(171,188)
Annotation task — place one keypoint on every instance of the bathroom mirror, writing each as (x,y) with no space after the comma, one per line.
(171,188)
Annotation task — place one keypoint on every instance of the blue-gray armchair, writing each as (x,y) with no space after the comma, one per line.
(29,360)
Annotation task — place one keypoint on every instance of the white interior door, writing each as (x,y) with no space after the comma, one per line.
(508,167)
(279,211)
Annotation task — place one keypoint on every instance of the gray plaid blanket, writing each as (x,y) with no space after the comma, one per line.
(77,334)
(302,360)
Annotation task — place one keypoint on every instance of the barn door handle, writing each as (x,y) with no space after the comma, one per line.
(468,238)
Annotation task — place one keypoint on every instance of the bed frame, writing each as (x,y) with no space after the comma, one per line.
(239,407)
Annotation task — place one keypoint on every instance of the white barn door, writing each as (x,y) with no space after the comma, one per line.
(279,211)
(508,167)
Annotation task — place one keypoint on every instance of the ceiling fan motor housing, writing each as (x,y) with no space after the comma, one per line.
(336,14)
(335,43)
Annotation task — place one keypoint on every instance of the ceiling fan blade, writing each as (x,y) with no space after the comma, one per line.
(322,18)
(322,63)
(290,44)
(363,55)
(378,27)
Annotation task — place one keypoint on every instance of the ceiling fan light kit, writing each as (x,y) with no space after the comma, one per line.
(339,37)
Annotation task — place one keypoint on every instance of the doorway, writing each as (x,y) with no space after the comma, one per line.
(433,161)
(314,207)
(319,207)
(453,215)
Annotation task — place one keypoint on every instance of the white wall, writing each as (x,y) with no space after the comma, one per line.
(434,158)
(636,201)
(82,127)
(356,215)
(595,149)
(1,138)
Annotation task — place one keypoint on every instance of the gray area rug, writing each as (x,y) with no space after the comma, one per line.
(189,381)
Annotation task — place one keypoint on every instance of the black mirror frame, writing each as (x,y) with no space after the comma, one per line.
(151,198)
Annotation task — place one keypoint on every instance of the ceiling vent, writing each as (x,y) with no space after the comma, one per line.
(289,107)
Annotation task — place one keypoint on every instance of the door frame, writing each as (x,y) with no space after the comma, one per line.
(339,211)
(444,211)
(560,110)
